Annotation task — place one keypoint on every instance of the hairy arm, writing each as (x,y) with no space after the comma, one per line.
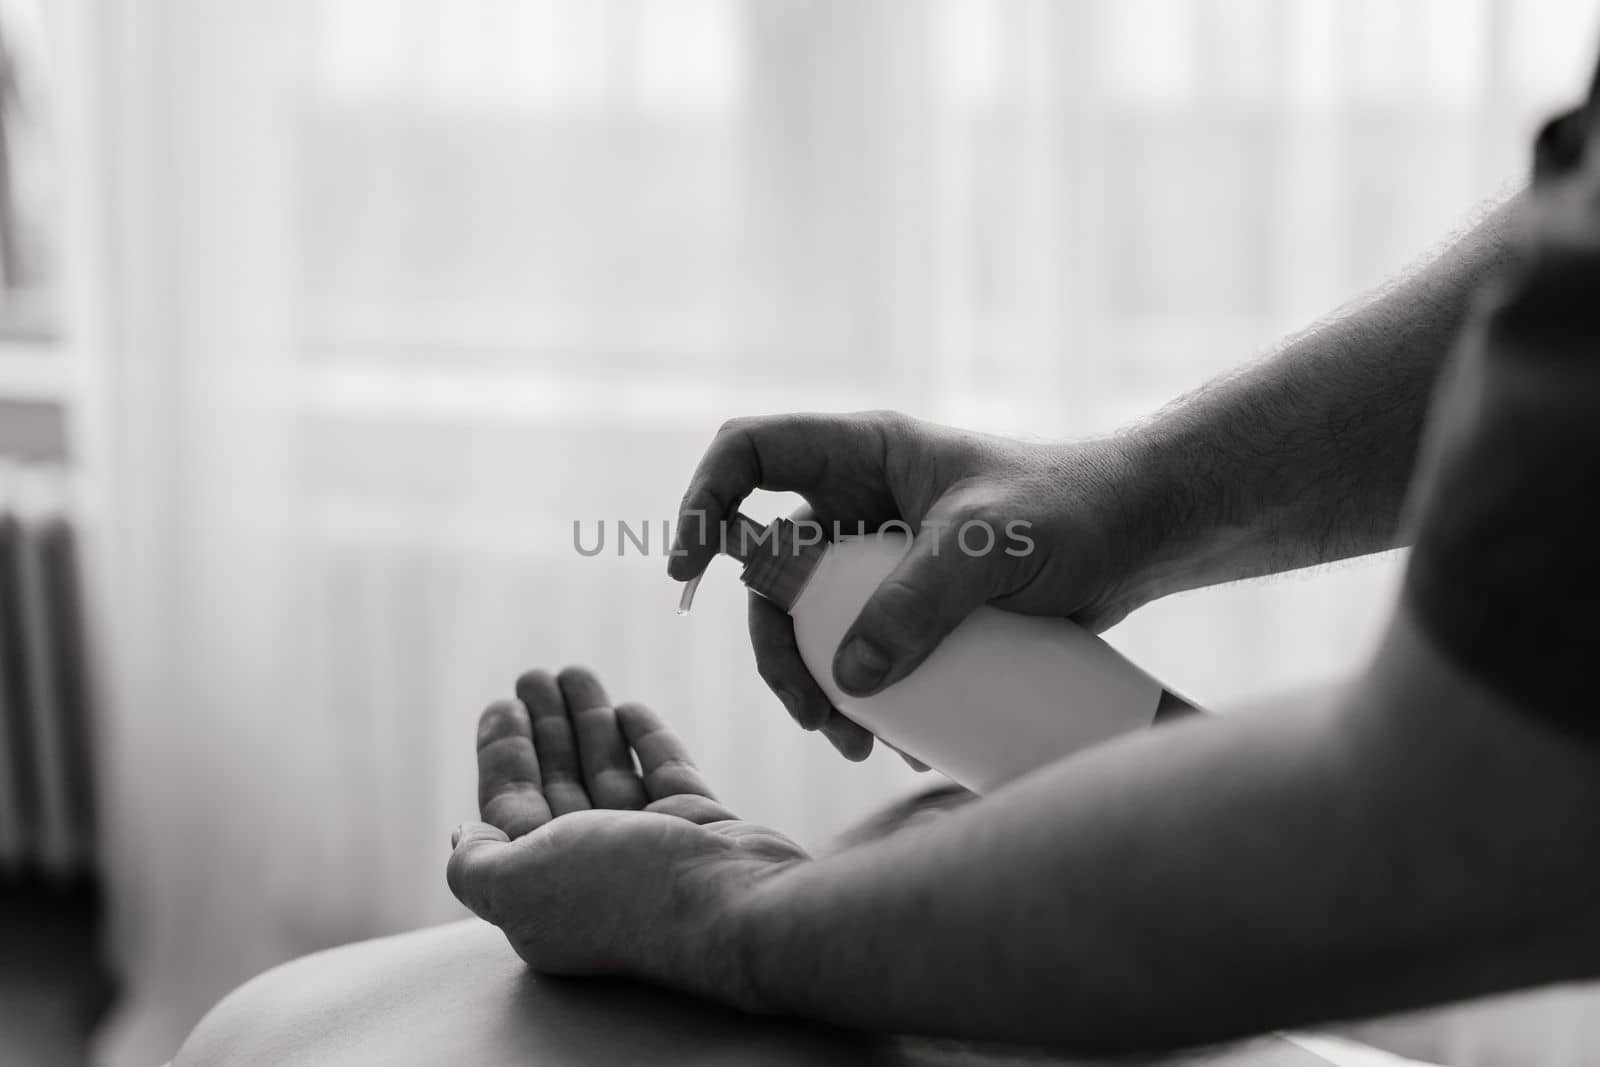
(1303,457)
(1427,836)
(1414,841)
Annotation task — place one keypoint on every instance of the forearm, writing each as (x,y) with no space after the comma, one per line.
(1210,879)
(1304,457)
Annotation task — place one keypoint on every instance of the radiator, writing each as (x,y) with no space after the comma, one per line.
(46,780)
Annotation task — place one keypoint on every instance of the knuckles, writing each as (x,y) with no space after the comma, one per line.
(891,420)
(737,425)
(501,719)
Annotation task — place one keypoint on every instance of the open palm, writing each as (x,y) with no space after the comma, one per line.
(602,850)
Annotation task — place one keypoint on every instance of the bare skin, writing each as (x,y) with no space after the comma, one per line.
(1394,793)
(558,782)
(1296,459)
(1419,839)
(460,994)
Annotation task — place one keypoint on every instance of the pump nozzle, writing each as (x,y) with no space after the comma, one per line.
(686,601)
(740,544)
(777,560)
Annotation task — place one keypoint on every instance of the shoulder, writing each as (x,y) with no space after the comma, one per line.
(459,994)
(364,1003)
(1505,509)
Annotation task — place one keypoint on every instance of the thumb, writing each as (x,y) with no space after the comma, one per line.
(944,576)
(477,856)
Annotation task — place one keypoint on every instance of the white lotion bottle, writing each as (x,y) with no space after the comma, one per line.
(1003,694)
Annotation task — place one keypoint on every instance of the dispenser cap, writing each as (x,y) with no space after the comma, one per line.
(778,560)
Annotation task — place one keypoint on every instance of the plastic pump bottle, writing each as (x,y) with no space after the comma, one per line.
(1002,694)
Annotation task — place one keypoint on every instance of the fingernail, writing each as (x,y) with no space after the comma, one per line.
(851,744)
(860,666)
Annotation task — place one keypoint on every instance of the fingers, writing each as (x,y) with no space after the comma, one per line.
(478,855)
(608,774)
(786,674)
(562,747)
(554,742)
(782,452)
(779,663)
(937,585)
(510,793)
(851,739)
(696,809)
(664,763)
(778,660)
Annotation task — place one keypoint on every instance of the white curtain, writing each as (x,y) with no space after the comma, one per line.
(383,295)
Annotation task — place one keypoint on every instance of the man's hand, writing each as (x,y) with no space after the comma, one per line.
(863,470)
(594,864)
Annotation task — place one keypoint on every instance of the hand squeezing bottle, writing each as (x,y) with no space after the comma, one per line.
(1001,695)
